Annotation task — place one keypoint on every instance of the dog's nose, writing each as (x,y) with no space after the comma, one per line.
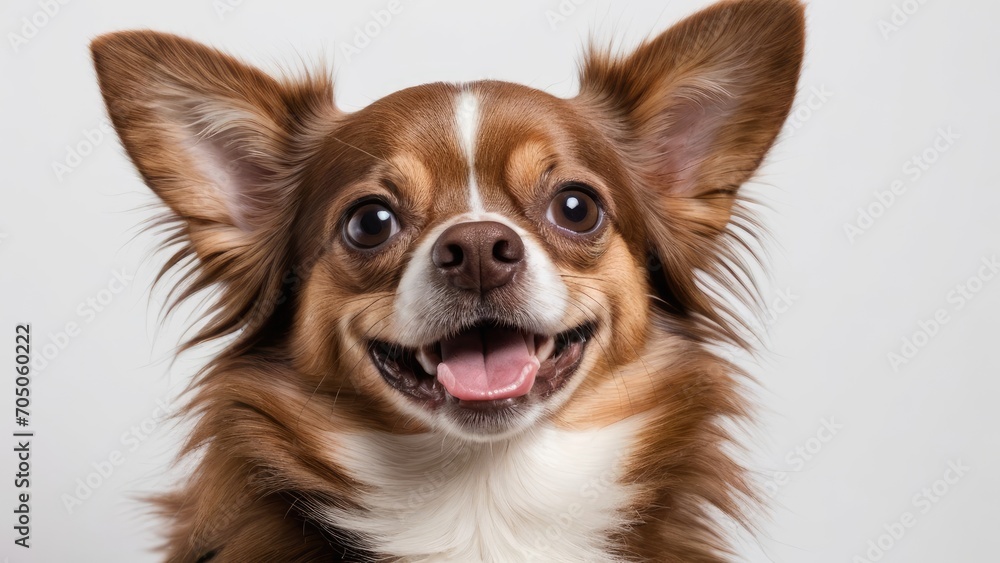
(478,255)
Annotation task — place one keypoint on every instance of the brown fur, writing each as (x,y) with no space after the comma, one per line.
(665,135)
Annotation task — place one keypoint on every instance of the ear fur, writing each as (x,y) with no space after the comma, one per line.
(219,142)
(695,111)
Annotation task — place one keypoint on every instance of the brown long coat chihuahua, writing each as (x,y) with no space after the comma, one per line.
(469,322)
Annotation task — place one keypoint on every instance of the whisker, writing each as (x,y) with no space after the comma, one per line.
(627,340)
(351,348)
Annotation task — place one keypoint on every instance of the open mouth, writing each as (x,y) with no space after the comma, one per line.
(489,366)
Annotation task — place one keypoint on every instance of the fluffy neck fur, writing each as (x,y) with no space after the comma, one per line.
(290,476)
(546,495)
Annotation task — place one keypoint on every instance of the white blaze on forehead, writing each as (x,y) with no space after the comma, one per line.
(467,126)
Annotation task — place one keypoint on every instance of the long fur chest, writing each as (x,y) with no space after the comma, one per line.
(548,495)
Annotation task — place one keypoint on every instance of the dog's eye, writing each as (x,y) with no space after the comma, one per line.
(575,210)
(370,225)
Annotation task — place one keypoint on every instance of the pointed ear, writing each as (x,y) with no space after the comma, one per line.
(700,105)
(694,111)
(216,140)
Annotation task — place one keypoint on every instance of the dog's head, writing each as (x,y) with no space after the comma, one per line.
(464,257)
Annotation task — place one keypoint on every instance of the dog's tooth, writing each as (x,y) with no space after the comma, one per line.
(427,360)
(544,350)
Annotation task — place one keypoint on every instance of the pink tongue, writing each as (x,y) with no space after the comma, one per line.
(487,364)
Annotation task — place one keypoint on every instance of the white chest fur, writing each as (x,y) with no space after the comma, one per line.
(549,495)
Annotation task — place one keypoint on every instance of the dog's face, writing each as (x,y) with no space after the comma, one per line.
(476,264)
(462,257)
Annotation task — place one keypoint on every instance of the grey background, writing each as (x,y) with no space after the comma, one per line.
(843,306)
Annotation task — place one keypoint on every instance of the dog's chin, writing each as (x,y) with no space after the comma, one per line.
(417,373)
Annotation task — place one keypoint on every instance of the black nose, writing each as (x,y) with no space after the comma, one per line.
(479,255)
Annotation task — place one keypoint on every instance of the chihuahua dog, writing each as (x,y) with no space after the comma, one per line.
(469,322)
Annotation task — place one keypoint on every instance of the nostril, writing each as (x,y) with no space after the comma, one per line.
(502,252)
(448,254)
(453,256)
(508,250)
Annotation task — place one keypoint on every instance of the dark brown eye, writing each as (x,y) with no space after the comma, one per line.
(575,210)
(371,225)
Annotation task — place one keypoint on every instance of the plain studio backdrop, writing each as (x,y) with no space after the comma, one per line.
(879,380)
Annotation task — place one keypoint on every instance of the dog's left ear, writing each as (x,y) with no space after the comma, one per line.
(694,111)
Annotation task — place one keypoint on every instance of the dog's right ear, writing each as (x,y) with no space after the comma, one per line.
(217,141)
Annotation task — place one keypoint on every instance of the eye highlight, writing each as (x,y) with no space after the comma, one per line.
(575,210)
(370,225)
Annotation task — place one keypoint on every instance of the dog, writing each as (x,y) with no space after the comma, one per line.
(468,322)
